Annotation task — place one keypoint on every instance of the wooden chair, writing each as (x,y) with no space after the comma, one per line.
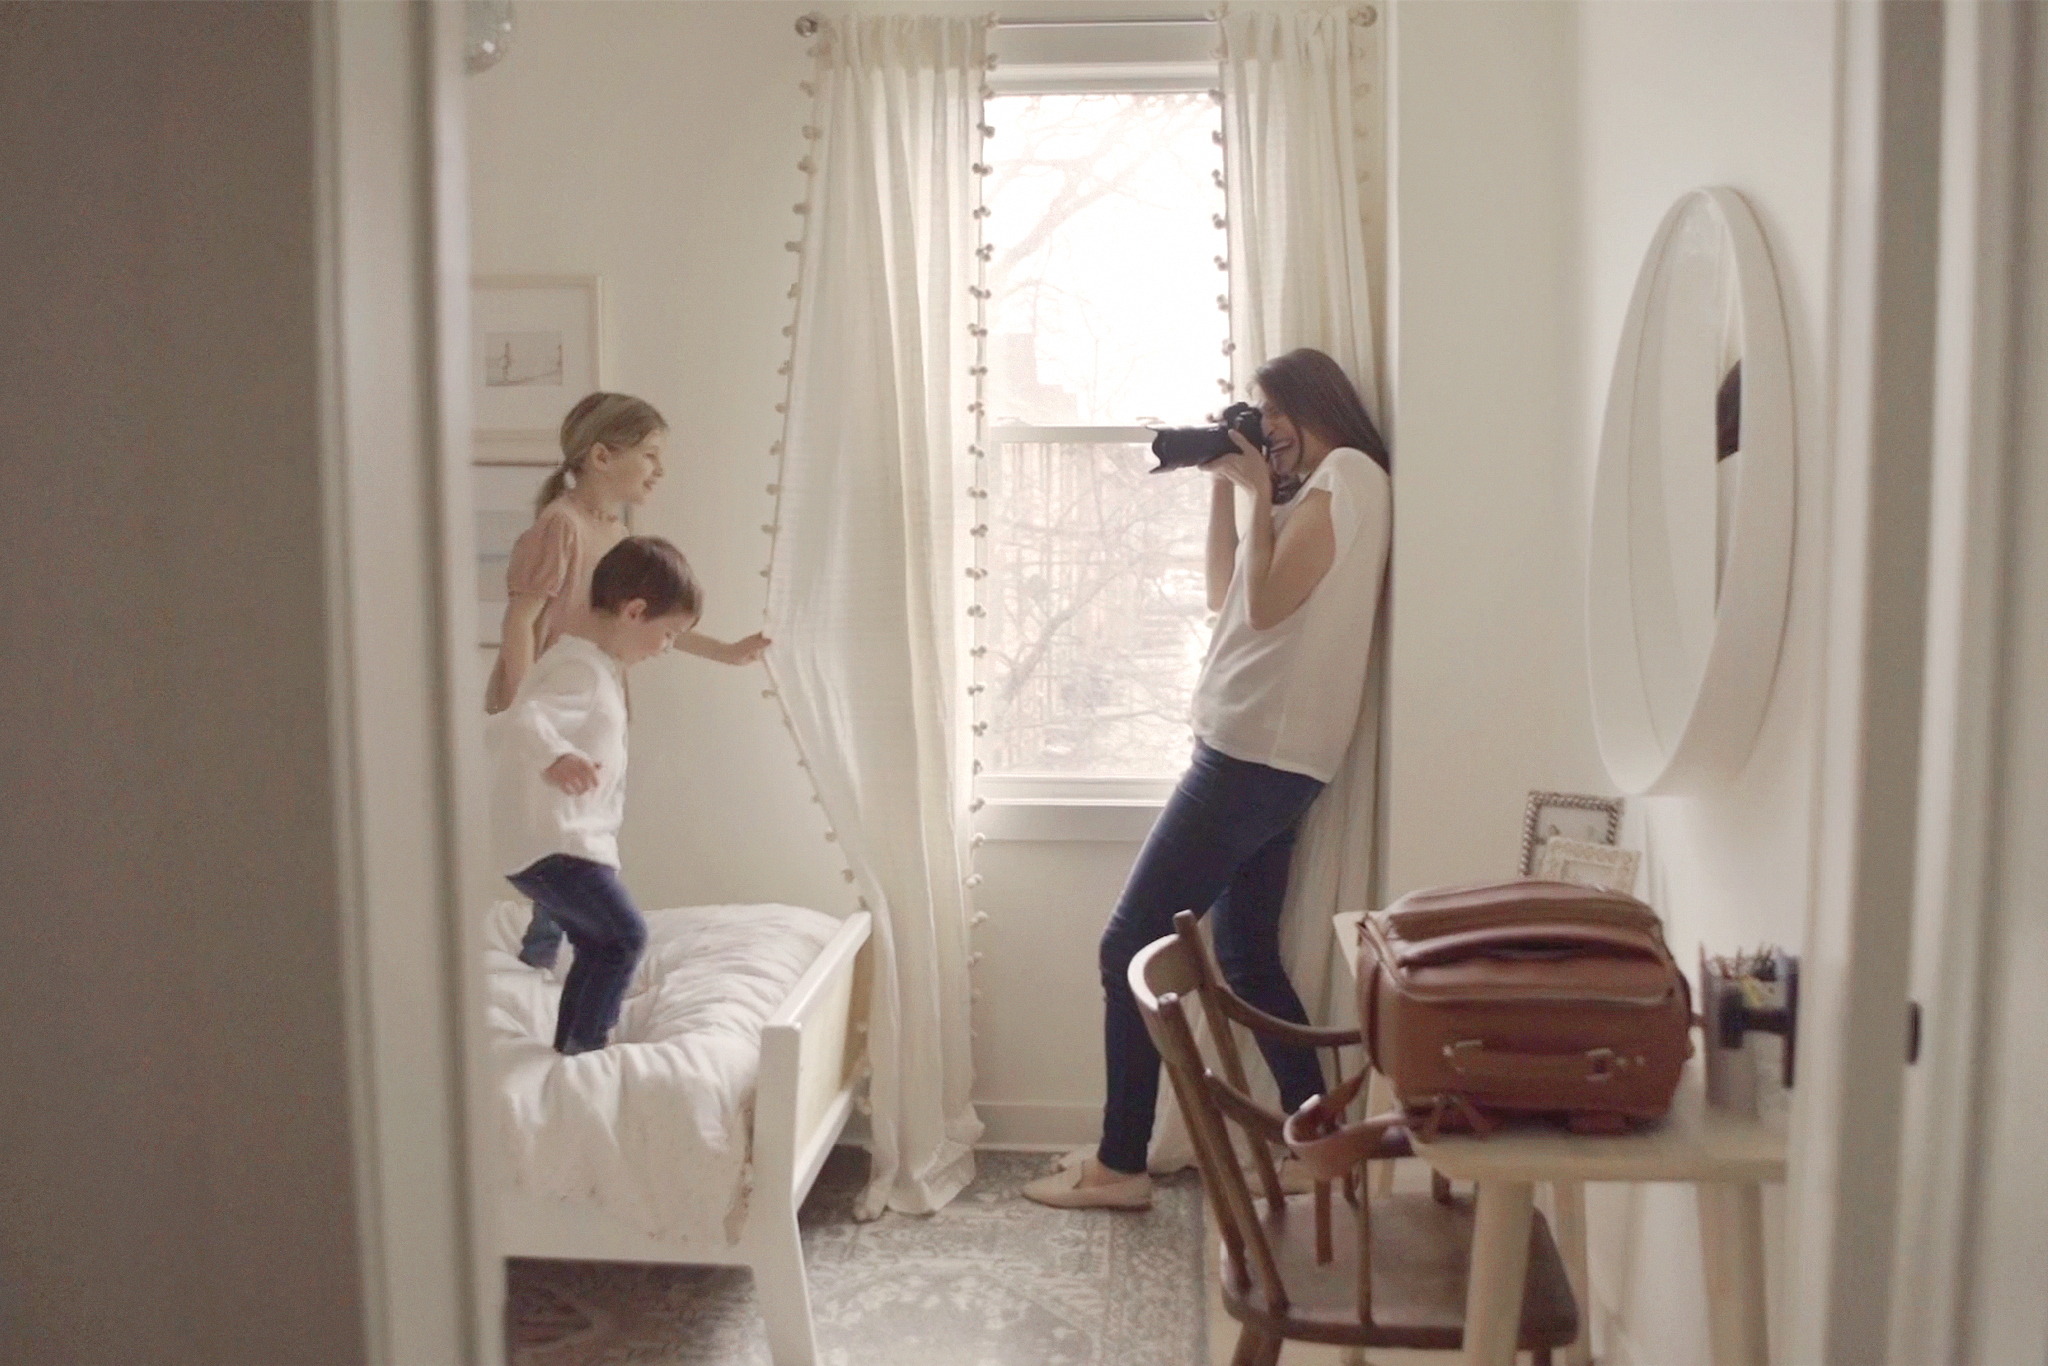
(1352,1270)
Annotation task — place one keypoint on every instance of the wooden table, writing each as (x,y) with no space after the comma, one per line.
(1725,1157)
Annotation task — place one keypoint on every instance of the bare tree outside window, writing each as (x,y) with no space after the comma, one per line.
(1104,271)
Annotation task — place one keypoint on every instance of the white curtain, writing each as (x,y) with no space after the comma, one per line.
(1303,140)
(861,600)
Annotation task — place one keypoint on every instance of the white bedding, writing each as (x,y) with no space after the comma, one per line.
(657,1129)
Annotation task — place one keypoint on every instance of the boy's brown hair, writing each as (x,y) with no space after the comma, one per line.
(650,569)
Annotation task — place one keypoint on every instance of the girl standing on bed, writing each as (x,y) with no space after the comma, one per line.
(611,460)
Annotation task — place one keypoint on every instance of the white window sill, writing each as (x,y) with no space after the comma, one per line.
(1052,820)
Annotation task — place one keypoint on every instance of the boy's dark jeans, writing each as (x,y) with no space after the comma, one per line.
(542,942)
(1222,843)
(590,904)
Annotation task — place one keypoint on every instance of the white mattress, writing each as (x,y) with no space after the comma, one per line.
(657,1128)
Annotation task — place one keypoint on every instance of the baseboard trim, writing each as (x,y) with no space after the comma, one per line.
(1025,1126)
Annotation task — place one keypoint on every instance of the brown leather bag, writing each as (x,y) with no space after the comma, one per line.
(1511,998)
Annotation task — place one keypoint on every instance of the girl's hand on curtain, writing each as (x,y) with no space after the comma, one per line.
(748,650)
(744,651)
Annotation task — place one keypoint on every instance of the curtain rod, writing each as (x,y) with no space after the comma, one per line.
(807,25)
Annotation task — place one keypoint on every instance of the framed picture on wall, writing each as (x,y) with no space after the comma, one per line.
(505,478)
(534,350)
(1567,815)
(1589,865)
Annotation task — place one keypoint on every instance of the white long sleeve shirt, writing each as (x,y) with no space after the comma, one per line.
(573,701)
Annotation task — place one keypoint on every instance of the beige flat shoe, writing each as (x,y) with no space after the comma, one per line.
(1294,1178)
(1063,1190)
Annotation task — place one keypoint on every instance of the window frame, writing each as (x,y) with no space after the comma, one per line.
(1056,57)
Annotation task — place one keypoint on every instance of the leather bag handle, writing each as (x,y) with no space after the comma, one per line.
(1499,938)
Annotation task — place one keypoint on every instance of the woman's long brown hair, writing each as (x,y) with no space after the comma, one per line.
(1314,392)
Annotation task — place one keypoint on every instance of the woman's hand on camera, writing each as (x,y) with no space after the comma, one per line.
(1245,467)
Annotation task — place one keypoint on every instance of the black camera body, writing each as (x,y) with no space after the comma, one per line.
(1177,448)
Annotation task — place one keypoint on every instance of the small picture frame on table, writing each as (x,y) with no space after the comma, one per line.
(535,344)
(506,474)
(1589,865)
(1567,815)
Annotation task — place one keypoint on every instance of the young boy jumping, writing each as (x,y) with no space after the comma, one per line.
(558,785)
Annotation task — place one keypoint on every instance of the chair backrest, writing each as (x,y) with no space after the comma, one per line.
(1161,978)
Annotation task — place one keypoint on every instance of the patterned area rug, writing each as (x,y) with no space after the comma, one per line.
(991,1280)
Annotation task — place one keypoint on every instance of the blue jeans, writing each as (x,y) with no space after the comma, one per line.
(590,904)
(1222,844)
(542,940)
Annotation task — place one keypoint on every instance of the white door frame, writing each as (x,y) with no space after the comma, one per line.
(1845,1124)
(392,261)
(1969,1228)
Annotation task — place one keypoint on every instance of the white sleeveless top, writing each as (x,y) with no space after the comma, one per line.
(1288,697)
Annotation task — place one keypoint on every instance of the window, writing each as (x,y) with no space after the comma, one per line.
(1104,250)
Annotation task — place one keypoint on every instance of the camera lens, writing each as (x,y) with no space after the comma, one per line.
(1180,447)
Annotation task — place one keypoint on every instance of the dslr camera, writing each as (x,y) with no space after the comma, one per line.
(1177,448)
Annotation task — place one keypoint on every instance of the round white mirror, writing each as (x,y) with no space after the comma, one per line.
(1691,549)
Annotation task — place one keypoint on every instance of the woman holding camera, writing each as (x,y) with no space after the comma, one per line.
(1274,712)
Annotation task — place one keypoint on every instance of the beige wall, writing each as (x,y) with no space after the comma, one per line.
(178,1181)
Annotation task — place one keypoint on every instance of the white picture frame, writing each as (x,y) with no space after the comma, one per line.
(506,475)
(1588,864)
(1567,815)
(536,346)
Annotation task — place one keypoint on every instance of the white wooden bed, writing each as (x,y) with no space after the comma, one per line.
(813,1057)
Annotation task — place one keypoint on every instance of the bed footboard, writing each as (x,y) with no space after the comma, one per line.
(813,1055)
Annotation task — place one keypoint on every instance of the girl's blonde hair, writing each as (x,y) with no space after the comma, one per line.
(615,421)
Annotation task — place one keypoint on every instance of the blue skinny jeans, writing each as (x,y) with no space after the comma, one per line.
(1222,843)
(590,904)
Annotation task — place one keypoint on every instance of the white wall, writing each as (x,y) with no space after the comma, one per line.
(1484,674)
(179,1179)
(1673,96)
(1669,97)
(1537,147)
(656,145)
